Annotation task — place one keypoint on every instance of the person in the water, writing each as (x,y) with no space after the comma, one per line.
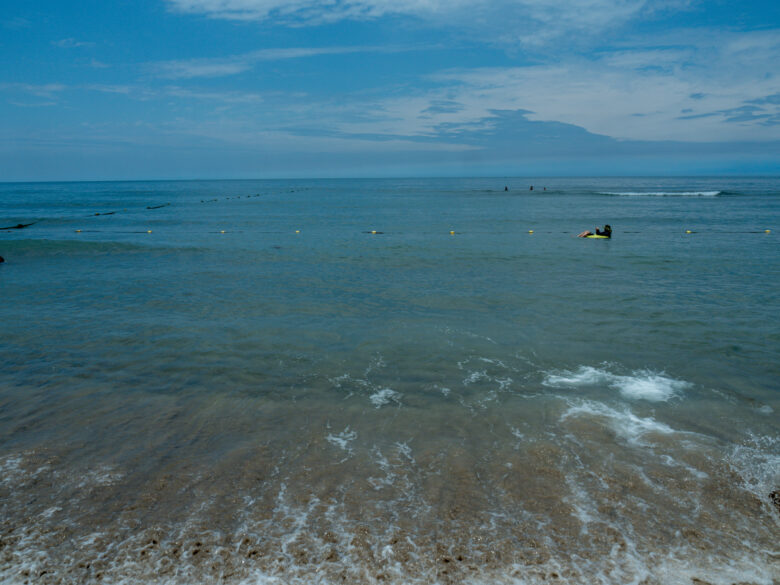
(606,232)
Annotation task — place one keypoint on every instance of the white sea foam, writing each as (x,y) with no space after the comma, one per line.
(484,376)
(100,476)
(504,383)
(304,530)
(624,423)
(648,385)
(640,385)
(494,362)
(49,512)
(663,193)
(338,381)
(383,464)
(404,450)
(582,504)
(385,396)
(376,363)
(672,462)
(474,377)
(630,566)
(343,440)
(757,462)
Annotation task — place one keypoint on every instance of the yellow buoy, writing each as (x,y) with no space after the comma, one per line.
(148,231)
(688,232)
(373,231)
(297,231)
(767,231)
(452,232)
(530,231)
(78,231)
(222,231)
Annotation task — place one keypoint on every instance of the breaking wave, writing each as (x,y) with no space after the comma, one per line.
(663,193)
(639,385)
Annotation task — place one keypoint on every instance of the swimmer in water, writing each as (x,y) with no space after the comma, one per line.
(606,232)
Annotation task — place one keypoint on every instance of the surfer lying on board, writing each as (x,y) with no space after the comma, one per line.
(606,232)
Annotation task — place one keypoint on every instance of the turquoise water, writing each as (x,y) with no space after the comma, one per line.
(239,382)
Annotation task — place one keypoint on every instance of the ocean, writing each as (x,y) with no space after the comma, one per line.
(419,381)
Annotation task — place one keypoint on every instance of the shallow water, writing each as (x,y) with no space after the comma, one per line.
(299,400)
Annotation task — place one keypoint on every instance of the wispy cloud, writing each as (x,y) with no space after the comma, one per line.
(189,68)
(23,95)
(529,22)
(223,97)
(116,89)
(32,104)
(143,93)
(638,95)
(709,78)
(235,64)
(47,90)
(71,43)
(16,23)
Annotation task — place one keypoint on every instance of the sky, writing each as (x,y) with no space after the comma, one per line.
(201,89)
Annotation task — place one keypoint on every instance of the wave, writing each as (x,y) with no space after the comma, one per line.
(639,385)
(624,423)
(757,462)
(662,193)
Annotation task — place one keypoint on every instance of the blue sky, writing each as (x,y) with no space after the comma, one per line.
(303,88)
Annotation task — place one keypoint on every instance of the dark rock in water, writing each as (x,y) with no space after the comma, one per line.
(2,259)
(775,497)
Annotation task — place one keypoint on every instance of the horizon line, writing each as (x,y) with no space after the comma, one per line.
(396,178)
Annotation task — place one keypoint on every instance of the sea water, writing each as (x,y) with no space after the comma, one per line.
(390,381)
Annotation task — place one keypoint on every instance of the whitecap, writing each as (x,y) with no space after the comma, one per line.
(648,385)
(474,377)
(663,193)
(624,423)
(343,439)
(757,462)
(385,396)
(584,376)
(640,385)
